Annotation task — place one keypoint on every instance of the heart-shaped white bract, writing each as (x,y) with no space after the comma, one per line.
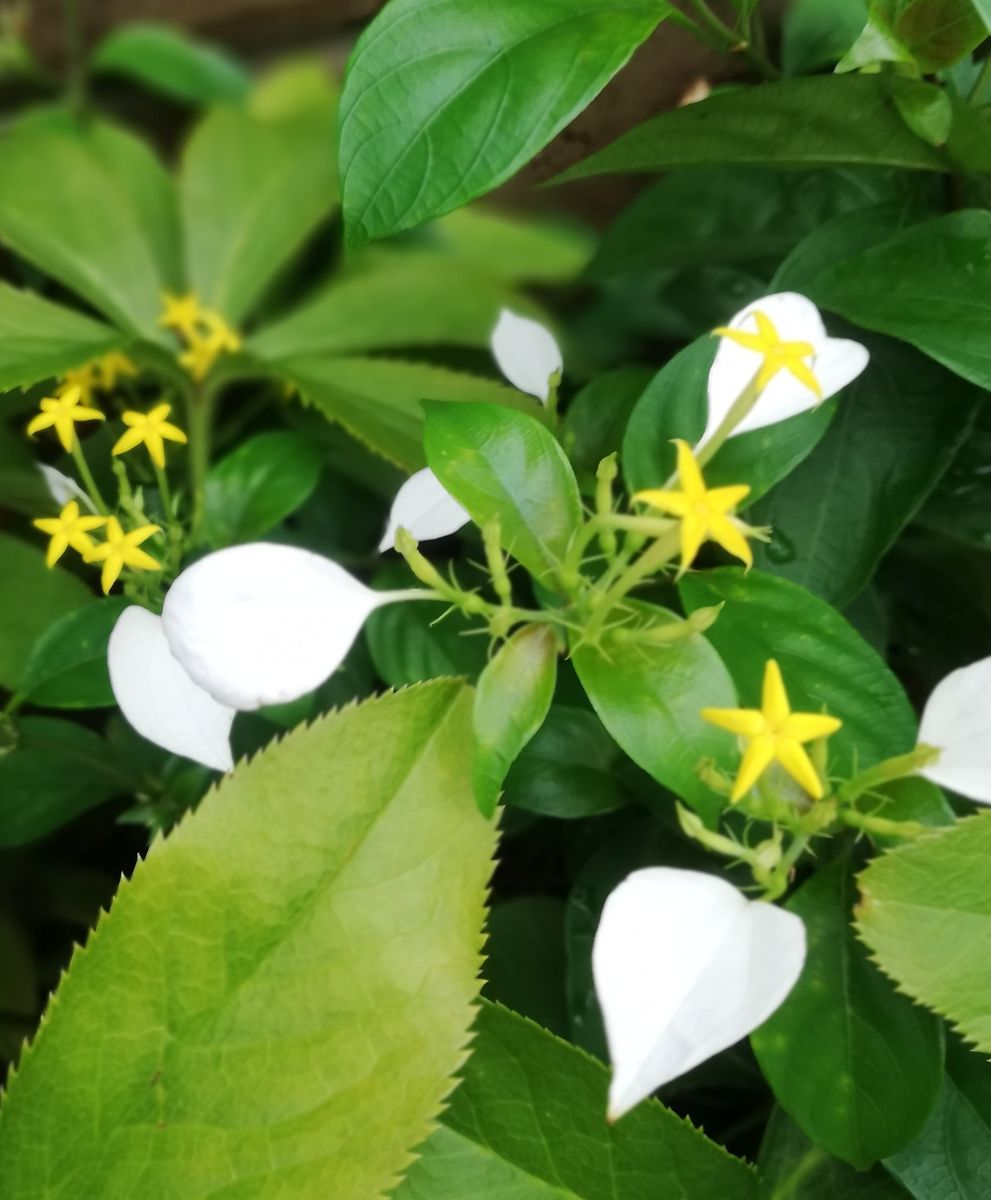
(526,354)
(684,967)
(835,362)
(63,488)
(159,699)
(424,508)
(957,722)
(264,624)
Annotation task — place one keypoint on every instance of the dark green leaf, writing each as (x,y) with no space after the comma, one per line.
(825,663)
(67,667)
(960,506)
(165,60)
(525,959)
(817,33)
(951,1159)
(857,1065)
(596,419)
(413,642)
(936,33)
(248,492)
(444,99)
(502,464)
(927,112)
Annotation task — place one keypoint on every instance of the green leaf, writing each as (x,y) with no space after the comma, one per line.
(936,33)
(838,513)
(817,33)
(507,247)
(55,772)
(445,99)
(414,642)
(31,598)
(528,1123)
(249,491)
(926,110)
(512,698)
(67,667)
(165,60)
(821,121)
(825,663)
(380,401)
(926,916)
(40,339)
(314,943)
(525,959)
(960,506)
(674,405)
(568,770)
(92,207)
(650,697)
(502,464)
(909,287)
(846,1034)
(951,1159)
(597,417)
(254,184)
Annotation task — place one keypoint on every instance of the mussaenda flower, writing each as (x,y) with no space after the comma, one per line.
(61,413)
(149,429)
(527,354)
(774,734)
(956,722)
(69,528)
(63,488)
(684,967)
(424,508)
(122,550)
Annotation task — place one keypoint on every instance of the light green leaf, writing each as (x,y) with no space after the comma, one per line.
(67,667)
(277,924)
(825,663)
(505,465)
(528,1123)
(254,184)
(380,401)
(927,110)
(858,1066)
(650,697)
(511,248)
(444,99)
(31,598)
(165,60)
(926,915)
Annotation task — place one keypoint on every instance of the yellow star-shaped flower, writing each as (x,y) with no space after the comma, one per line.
(705,512)
(149,429)
(69,528)
(62,412)
(775,734)
(181,313)
(111,367)
(122,550)
(778,355)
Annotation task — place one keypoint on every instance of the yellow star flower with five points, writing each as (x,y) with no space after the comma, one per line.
(62,412)
(122,550)
(775,734)
(150,429)
(705,513)
(69,528)
(111,367)
(181,313)
(778,355)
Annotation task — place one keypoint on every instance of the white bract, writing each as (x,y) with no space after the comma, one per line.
(63,488)
(957,722)
(425,509)
(527,354)
(159,699)
(788,350)
(684,967)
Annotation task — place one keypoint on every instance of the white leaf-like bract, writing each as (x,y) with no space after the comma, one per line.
(956,721)
(63,488)
(684,967)
(526,354)
(159,699)
(425,508)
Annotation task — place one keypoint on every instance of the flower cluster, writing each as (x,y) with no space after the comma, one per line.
(203,330)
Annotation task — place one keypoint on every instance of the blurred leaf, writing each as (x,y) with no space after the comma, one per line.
(512,698)
(597,417)
(256,485)
(951,1159)
(844,1032)
(380,401)
(913,799)
(490,84)
(960,506)
(675,405)
(318,941)
(31,598)
(166,60)
(255,182)
(928,111)
(936,33)
(512,248)
(40,339)
(410,642)
(67,667)
(817,33)
(825,663)
(839,511)
(528,1123)
(525,959)
(502,464)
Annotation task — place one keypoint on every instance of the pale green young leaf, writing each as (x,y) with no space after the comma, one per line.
(321,911)
(511,248)
(528,1123)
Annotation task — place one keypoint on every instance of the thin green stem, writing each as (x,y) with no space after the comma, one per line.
(886,772)
(730,40)
(82,466)
(75,61)
(657,555)
(741,407)
(200,412)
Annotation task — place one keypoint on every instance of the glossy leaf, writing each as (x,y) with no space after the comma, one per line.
(650,697)
(925,913)
(502,464)
(315,942)
(836,515)
(513,695)
(825,663)
(259,483)
(414,642)
(936,33)
(67,667)
(167,61)
(528,1123)
(951,1159)
(846,1034)
(443,100)
(597,417)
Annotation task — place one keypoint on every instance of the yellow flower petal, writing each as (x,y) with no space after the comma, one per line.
(756,759)
(726,533)
(745,722)
(42,421)
(807,727)
(689,474)
(724,498)
(676,503)
(799,766)
(128,440)
(774,698)
(693,530)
